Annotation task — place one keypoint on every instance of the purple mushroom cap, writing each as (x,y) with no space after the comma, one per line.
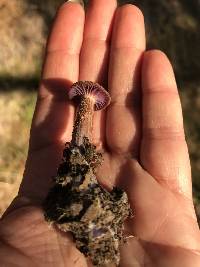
(90,89)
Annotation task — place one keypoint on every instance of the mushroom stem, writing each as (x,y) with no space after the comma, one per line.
(84,120)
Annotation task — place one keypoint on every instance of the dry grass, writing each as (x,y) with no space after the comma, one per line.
(16,110)
(22,38)
(190,98)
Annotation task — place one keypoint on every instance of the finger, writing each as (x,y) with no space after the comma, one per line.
(164,151)
(53,116)
(123,115)
(95,50)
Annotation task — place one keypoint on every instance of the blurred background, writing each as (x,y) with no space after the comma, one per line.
(171,25)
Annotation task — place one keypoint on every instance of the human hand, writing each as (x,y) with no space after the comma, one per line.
(141,134)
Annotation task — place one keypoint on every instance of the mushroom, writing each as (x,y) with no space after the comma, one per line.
(77,203)
(91,96)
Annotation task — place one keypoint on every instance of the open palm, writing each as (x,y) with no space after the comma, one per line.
(141,135)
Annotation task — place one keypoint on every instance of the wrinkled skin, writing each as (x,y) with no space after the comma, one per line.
(141,135)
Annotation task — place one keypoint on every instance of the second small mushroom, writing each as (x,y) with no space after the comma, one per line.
(91,96)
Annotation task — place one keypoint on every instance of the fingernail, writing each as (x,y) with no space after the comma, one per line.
(81,2)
